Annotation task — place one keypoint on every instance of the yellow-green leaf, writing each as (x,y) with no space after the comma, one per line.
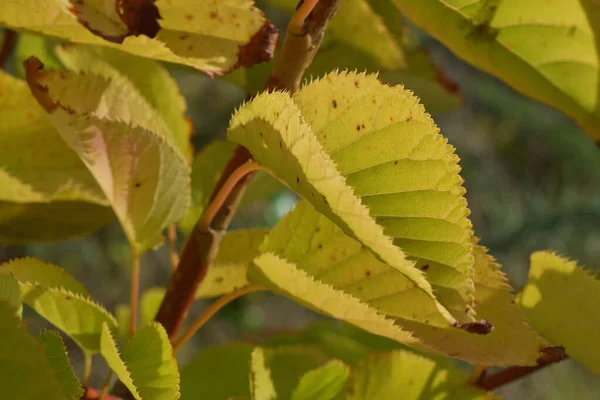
(46,192)
(25,371)
(261,386)
(549,51)
(212,36)
(229,269)
(368,156)
(110,352)
(144,177)
(148,84)
(37,272)
(56,354)
(385,375)
(323,383)
(147,366)
(560,301)
(77,316)
(511,342)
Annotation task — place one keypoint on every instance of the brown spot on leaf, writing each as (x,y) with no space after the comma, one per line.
(260,48)
(334,103)
(368,272)
(481,327)
(219,279)
(213,15)
(358,127)
(426,266)
(140,16)
(137,184)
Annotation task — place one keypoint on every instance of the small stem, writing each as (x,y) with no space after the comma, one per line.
(172,237)
(105,386)
(135,291)
(212,310)
(550,355)
(87,368)
(296,25)
(224,192)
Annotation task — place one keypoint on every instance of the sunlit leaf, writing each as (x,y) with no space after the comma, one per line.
(147,366)
(25,371)
(34,271)
(560,301)
(309,259)
(77,316)
(324,383)
(511,342)
(148,84)
(110,352)
(46,192)
(144,177)
(383,376)
(369,157)
(261,386)
(56,354)
(549,51)
(213,36)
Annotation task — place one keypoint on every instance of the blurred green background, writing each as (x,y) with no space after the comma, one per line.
(532,181)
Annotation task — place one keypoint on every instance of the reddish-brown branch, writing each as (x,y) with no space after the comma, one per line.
(549,356)
(10,38)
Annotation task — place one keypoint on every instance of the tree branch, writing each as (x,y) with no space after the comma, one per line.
(199,252)
(550,355)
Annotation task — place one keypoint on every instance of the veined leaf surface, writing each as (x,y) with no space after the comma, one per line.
(148,85)
(46,192)
(144,177)
(550,52)
(310,259)
(213,36)
(560,301)
(147,366)
(369,157)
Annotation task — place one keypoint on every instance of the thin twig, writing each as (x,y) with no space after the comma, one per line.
(212,310)
(550,355)
(172,238)
(224,192)
(296,25)
(10,38)
(135,291)
(87,368)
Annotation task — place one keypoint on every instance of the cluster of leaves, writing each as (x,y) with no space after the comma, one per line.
(380,240)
